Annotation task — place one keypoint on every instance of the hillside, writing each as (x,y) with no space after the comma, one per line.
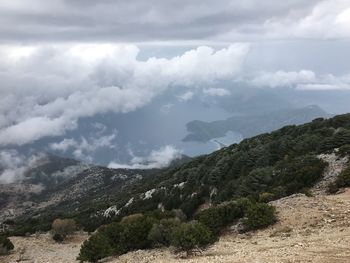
(310,229)
(271,166)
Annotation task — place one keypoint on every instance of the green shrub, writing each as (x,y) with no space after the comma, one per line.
(191,237)
(135,232)
(58,238)
(95,248)
(114,233)
(266,197)
(344,150)
(259,215)
(217,217)
(5,245)
(160,234)
(332,188)
(343,179)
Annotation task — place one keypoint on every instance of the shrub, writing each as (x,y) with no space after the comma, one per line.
(58,238)
(63,227)
(344,150)
(135,232)
(95,248)
(343,179)
(266,197)
(114,233)
(5,245)
(160,234)
(191,237)
(217,217)
(259,215)
(332,188)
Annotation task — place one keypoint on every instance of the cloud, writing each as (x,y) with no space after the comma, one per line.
(301,80)
(186,96)
(220,92)
(13,165)
(157,159)
(327,19)
(283,78)
(85,147)
(51,88)
(158,20)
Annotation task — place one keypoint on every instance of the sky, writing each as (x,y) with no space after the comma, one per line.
(65,60)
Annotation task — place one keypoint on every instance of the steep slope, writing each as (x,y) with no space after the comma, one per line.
(265,167)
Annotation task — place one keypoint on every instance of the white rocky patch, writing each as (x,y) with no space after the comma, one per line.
(148,194)
(129,202)
(113,209)
(180,185)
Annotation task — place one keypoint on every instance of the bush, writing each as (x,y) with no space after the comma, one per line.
(5,245)
(118,238)
(217,217)
(344,150)
(95,248)
(259,215)
(266,197)
(160,234)
(332,188)
(135,233)
(191,237)
(114,233)
(343,179)
(58,238)
(63,227)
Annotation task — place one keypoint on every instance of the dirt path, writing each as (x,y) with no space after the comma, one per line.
(310,229)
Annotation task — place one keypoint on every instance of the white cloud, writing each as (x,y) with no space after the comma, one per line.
(52,87)
(283,78)
(327,19)
(157,159)
(14,165)
(85,147)
(186,96)
(302,80)
(220,92)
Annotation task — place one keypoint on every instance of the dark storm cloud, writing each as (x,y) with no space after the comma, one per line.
(141,21)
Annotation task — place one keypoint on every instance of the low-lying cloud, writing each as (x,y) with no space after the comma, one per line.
(13,165)
(51,88)
(160,158)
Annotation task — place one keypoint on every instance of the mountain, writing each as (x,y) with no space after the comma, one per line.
(249,125)
(265,167)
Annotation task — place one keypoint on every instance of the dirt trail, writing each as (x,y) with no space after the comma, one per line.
(310,229)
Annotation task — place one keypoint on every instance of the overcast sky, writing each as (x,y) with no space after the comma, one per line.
(61,60)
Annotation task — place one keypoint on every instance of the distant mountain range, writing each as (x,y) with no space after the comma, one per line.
(249,125)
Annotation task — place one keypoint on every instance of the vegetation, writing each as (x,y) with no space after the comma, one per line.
(161,233)
(237,182)
(259,215)
(343,180)
(5,245)
(95,248)
(191,237)
(61,228)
